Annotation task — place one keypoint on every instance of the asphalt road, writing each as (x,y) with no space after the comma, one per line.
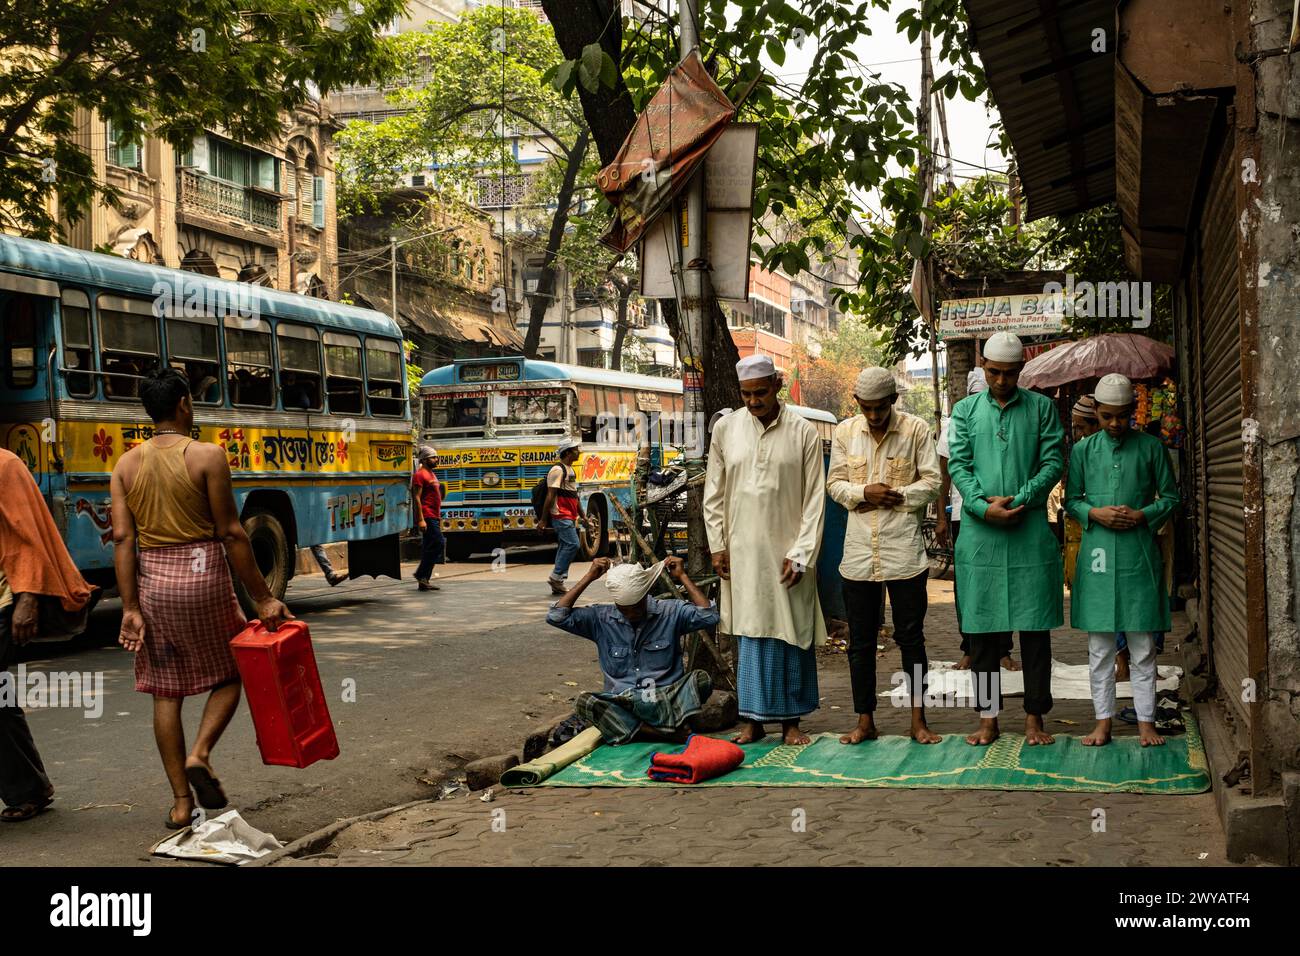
(440,677)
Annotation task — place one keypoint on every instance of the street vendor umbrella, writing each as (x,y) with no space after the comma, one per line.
(1135,356)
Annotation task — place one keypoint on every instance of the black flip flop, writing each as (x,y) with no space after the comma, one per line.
(207,788)
(171,824)
(28,810)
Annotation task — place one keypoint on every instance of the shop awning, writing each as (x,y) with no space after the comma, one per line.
(1051,72)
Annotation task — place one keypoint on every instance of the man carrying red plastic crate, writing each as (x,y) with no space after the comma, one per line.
(172,500)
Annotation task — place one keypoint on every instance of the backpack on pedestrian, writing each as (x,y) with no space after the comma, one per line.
(540,490)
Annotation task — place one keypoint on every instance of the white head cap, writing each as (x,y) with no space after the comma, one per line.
(629,583)
(874,383)
(754,366)
(1114,389)
(975,381)
(567,444)
(426,452)
(1004,347)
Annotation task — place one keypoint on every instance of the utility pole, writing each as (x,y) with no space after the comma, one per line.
(926,184)
(694,312)
(392,250)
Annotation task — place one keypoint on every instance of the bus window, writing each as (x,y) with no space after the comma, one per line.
(192,345)
(384,373)
(465,417)
(128,339)
(77,351)
(343,373)
(249,369)
(299,367)
(535,414)
(20,342)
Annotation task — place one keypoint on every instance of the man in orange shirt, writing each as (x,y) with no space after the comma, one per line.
(38,581)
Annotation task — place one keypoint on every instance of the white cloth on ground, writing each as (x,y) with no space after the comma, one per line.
(1069,682)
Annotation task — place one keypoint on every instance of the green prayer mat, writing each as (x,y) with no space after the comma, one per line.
(1122,766)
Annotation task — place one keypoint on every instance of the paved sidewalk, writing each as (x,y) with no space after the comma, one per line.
(751,826)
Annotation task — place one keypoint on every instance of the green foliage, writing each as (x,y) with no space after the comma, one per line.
(166,67)
(450,81)
(841,133)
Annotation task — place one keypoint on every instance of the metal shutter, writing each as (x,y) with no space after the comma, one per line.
(1220,461)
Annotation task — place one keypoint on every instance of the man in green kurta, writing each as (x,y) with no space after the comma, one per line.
(1006,455)
(1120,490)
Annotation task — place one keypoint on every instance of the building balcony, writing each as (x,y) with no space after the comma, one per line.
(217,199)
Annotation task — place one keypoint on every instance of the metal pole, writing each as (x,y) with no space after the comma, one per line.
(694,313)
(392,248)
(694,280)
(925,128)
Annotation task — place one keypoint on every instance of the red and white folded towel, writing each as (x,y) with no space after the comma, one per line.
(703,759)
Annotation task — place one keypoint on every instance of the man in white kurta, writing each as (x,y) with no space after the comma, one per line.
(763,510)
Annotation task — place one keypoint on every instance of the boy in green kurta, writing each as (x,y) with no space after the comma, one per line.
(1006,454)
(1120,490)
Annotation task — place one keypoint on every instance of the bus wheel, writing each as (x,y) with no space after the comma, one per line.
(271,552)
(593,530)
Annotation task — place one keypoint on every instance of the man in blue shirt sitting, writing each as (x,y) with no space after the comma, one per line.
(647,695)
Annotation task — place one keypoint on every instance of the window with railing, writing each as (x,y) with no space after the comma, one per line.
(249,367)
(299,367)
(384,373)
(343,380)
(128,339)
(78,353)
(19,333)
(493,192)
(192,346)
(221,178)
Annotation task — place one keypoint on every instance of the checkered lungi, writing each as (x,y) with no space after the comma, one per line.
(190,614)
(775,680)
(619,716)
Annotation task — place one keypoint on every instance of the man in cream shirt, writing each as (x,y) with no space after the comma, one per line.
(885,471)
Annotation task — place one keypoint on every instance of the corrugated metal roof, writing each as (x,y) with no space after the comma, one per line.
(1055,94)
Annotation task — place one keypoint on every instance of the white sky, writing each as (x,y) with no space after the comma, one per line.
(889,53)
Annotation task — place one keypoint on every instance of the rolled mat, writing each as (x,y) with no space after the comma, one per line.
(535,771)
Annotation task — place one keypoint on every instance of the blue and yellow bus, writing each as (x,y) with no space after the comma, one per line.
(496,423)
(308,398)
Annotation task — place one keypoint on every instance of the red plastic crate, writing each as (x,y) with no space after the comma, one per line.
(284,694)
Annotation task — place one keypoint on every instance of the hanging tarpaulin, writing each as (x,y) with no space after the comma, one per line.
(671,137)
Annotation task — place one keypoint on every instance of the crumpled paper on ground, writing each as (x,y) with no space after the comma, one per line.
(228,838)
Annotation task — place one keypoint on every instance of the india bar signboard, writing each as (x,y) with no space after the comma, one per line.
(1033,314)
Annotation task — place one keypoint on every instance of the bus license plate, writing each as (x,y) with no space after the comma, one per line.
(489,526)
